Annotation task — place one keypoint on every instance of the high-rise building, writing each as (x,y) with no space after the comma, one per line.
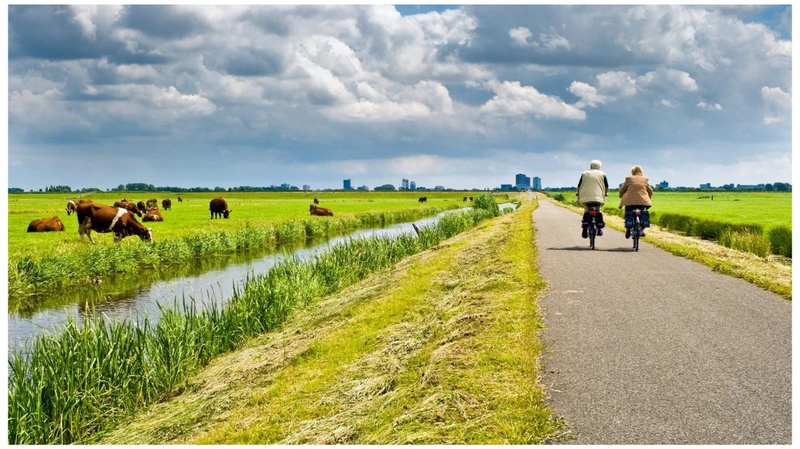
(404,184)
(347,185)
(523,182)
(412,185)
(537,183)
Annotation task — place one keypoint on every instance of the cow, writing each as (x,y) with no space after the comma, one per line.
(101,218)
(180,200)
(219,208)
(46,225)
(316,210)
(141,205)
(423,199)
(470,198)
(128,205)
(72,205)
(151,203)
(153,215)
(465,199)
(166,203)
(316,201)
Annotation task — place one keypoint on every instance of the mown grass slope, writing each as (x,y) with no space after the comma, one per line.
(440,349)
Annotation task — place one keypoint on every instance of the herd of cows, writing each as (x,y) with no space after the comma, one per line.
(120,219)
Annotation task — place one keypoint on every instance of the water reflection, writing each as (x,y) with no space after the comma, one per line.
(202,283)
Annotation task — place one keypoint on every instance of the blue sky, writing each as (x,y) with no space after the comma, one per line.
(457,96)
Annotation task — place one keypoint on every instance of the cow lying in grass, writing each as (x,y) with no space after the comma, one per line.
(46,225)
(153,215)
(316,210)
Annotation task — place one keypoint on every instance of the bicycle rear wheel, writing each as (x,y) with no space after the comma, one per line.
(635,230)
(592,233)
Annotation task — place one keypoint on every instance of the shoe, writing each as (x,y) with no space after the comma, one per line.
(585,233)
(627,233)
(599,231)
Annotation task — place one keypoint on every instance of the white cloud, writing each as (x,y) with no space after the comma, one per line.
(511,99)
(552,41)
(709,106)
(778,104)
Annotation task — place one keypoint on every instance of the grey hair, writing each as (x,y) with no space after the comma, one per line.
(595,165)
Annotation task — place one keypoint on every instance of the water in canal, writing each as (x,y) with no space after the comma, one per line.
(210,281)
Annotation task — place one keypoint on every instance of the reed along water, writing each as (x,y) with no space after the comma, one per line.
(206,281)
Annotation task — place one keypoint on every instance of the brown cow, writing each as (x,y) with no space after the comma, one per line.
(153,215)
(166,204)
(46,225)
(316,210)
(151,203)
(180,200)
(316,201)
(72,206)
(423,199)
(101,218)
(219,208)
(141,205)
(128,205)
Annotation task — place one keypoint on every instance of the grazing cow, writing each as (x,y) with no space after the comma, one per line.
(470,198)
(46,225)
(316,201)
(128,205)
(101,218)
(180,200)
(423,199)
(465,199)
(153,215)
(151,203)
(141,205)
(316,210)
(219,208)
(166,204)
(72,206)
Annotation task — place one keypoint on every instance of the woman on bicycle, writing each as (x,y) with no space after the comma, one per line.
(635,193)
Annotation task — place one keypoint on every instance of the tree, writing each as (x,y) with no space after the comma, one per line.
(385,188)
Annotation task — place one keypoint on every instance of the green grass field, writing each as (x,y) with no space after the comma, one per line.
(256,209)
(767,209)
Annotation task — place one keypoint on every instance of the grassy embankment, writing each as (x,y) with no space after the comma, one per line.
(440,348)
(260,220)
(770,211)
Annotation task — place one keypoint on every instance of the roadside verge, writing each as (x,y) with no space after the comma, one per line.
(442,348)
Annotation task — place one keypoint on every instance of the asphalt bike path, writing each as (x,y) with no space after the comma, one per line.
(650,348)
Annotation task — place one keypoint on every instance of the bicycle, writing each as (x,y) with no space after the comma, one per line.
(592,225)
(637,228)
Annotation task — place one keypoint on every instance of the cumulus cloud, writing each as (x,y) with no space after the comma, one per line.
(512,99)
(284,83)
(778,104)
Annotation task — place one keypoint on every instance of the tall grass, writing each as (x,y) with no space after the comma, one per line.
(69,387)
(33,273)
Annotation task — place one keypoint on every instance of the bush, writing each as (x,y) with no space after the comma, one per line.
(746,240)
(780,238)
(487,202)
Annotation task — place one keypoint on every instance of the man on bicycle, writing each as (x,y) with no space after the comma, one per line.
(592,192)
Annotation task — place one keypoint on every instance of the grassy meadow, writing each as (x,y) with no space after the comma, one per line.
(769,209)
(254,209)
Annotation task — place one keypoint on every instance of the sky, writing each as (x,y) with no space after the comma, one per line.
(456,96)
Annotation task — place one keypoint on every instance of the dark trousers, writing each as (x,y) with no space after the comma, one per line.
(598,216)
(629,216)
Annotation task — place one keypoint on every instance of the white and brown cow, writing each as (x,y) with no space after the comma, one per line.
(46,225)
(219,208)
(72,206)
(101,218)
(153,215)
(129,205)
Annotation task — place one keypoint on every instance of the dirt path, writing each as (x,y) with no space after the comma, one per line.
(650,348)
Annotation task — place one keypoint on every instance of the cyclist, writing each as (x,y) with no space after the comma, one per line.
(635,193)
(592,192)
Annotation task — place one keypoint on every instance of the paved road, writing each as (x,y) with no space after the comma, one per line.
(650,348)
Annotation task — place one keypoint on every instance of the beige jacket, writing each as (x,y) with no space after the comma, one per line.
(636,191)
(592,187)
